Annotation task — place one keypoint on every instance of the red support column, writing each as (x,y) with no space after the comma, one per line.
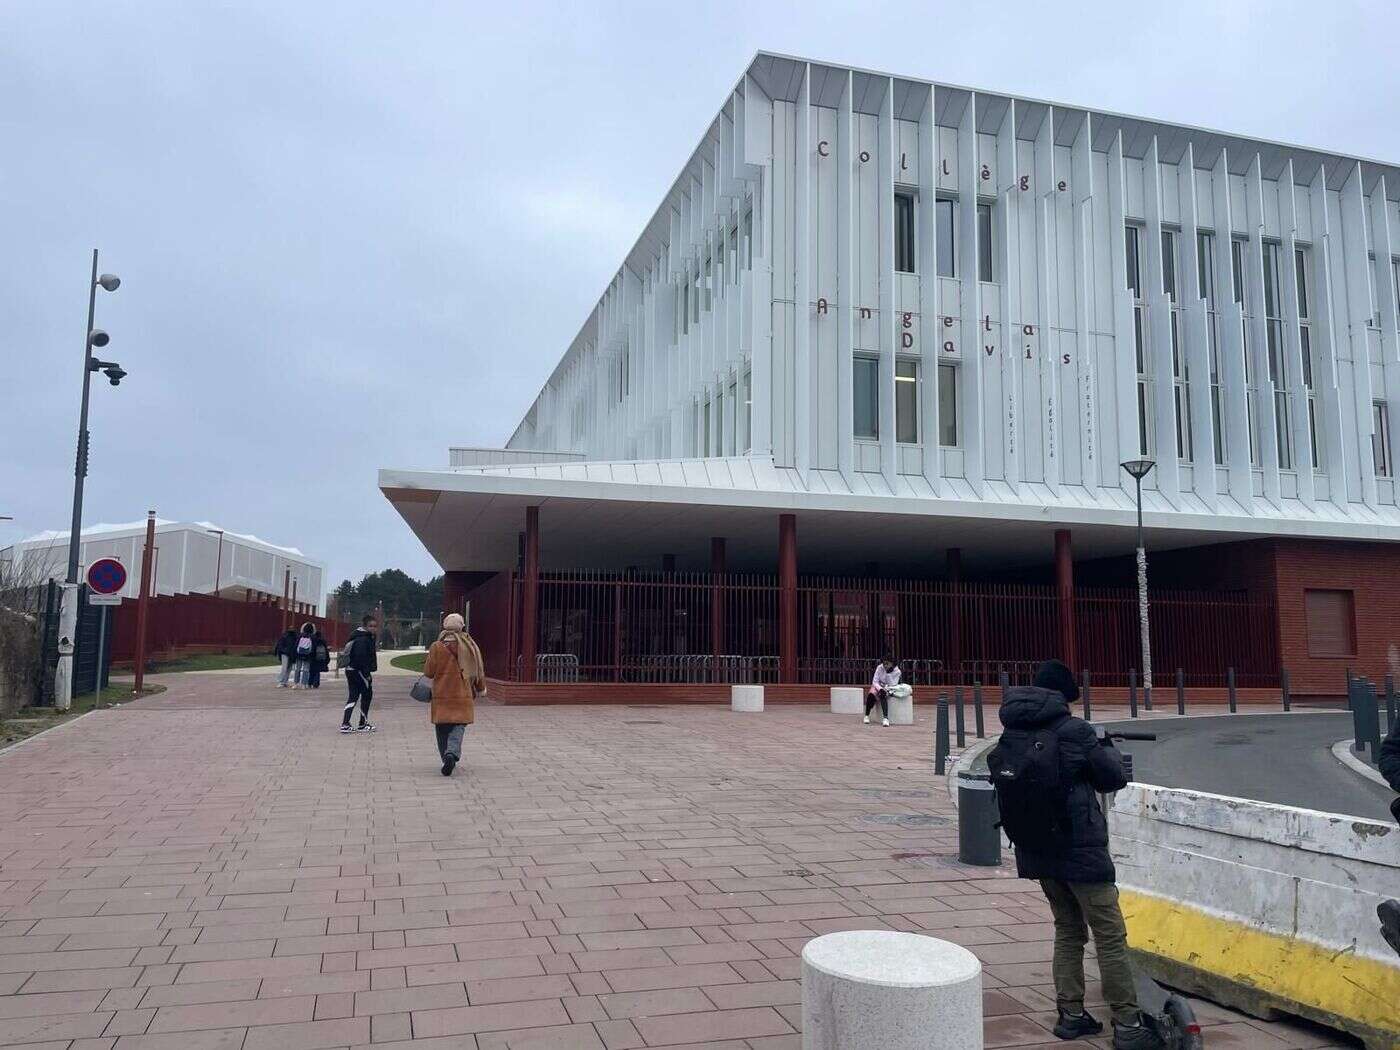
(530,600)
(144,602)
(955,619)
(1064,593)
(717,570)
(454,592)
(787,597)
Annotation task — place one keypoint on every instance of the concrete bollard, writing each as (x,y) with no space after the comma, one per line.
(883,990)
(847,700)
(902,710)
(746,698)
(979,838)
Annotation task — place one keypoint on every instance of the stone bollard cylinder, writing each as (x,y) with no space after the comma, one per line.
(847,700)
(902,710)
(746,698)
(882,990)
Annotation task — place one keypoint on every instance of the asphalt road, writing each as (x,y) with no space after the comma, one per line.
(1272,758)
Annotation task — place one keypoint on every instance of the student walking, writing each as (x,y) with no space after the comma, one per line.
(887,675)
(305,653)
(286,652)
(459,676)
(1048,768)
(320,657)
(359,660)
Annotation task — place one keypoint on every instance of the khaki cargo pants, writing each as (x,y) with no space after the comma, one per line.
(1080,907)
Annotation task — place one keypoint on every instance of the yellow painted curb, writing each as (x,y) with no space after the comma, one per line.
(1328,981)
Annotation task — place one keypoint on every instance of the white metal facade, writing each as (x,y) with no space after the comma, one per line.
(188,560)
(768,289)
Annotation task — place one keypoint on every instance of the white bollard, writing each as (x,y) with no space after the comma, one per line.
(882,990)
(846,700)
(746,698)
(902,710)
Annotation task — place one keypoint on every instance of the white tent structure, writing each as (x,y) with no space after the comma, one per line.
(191,558)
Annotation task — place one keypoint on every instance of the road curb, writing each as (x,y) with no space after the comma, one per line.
(1342,752)
(45,732)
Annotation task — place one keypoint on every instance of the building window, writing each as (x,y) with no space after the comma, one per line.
(1132,260)
(1238,281)
(906,400)
(1278,364)
(719,448)
(747,235)
(1331,620)
(705,448)
(904,232)
(746,425)
(1205,288)
(685,306)
(1181,373)
(944,225)
(1144,379)
(735,412)
(865,395)
(1300,262)
(1380,438)
(985,270)
(948,375)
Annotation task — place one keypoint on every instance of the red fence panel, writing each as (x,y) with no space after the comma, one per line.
(202,621)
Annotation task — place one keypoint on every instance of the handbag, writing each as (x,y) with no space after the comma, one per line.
(422,690)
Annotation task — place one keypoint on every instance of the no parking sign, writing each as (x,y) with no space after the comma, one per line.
(106,578)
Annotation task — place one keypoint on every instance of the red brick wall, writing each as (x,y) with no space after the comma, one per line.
(1371,571)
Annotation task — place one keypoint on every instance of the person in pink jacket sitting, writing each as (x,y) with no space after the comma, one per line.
(886,675)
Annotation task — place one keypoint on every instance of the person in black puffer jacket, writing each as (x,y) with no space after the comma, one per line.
(1077,871)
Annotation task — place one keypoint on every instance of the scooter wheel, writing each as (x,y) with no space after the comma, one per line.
(1188,1031)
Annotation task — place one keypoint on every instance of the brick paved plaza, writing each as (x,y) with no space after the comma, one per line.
(215,868)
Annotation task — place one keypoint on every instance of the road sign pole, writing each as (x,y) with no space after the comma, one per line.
(101,649)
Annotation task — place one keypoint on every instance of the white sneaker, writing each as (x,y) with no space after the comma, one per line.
(885,722)
(867,719)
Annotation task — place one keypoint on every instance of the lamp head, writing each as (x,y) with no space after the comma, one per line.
(114,373)
(1138,468)
(97,337)
(110,282)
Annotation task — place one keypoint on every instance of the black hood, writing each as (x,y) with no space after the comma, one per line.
(1029,706)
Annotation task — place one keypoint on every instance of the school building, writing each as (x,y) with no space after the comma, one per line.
(866,379)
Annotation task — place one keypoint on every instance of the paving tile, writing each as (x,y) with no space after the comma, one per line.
(577,880)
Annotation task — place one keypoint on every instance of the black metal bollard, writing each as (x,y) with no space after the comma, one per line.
(1230,681)
(959,717)
(1180,691)
(1084,695)
(940,737)
(977,710)
(1132,692)
(979,838)
(1284,688)
(1390,701)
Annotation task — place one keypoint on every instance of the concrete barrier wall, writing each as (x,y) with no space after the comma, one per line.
(1262,907)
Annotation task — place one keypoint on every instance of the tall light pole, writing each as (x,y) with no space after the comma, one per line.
(1138,469)
(68,608)
(219,560)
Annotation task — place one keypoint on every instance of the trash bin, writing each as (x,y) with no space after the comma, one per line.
(979,837)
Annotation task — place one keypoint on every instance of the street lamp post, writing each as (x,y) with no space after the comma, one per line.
(1138,469)
(68,608)
(219,560)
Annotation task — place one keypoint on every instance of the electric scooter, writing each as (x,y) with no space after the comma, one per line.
(1168,1015)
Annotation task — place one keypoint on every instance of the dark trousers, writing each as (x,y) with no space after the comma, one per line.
(449,740)
(361,691)
(1080,908)
(884,699)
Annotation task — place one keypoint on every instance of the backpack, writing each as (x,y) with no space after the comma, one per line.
(342,658)
(304,645)
(1034,802)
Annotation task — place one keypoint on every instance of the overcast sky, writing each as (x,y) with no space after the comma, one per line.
(351,234)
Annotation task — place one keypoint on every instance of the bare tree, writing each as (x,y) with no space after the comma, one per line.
(24,575)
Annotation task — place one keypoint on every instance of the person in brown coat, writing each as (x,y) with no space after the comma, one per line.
(459,675)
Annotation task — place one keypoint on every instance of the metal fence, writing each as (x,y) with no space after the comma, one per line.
(699,627)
